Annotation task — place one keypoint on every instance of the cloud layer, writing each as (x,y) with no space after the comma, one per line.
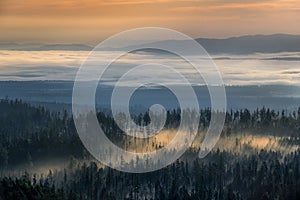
(280,68)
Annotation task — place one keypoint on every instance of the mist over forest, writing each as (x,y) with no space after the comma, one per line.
(42,157)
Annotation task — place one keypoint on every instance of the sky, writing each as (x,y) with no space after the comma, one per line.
(91,21)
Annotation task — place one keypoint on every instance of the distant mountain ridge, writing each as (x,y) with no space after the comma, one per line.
(234,45)
(252,44)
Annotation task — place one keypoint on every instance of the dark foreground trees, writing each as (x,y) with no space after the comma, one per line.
(222,175)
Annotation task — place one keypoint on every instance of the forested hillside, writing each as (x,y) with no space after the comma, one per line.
(257,157)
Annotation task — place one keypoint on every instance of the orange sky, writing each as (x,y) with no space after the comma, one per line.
(90,21)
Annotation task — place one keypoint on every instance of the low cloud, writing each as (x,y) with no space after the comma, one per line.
(63,65)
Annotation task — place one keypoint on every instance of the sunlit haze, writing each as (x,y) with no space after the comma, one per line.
(91,21)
